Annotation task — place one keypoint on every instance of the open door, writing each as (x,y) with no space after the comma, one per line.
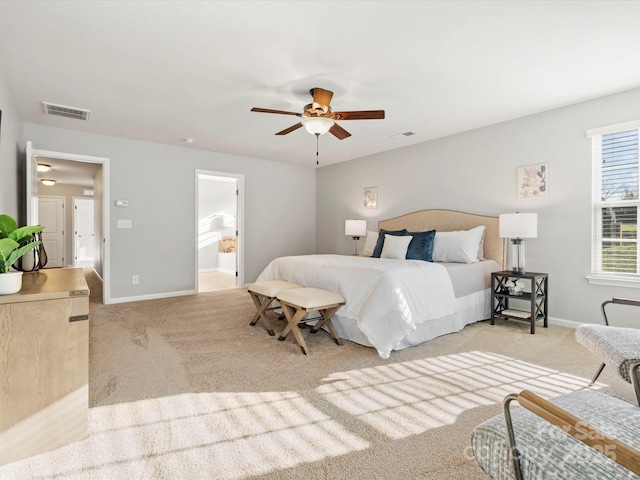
(32,185)
(83,232)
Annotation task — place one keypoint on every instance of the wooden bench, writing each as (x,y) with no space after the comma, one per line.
(296,303)
(263,295)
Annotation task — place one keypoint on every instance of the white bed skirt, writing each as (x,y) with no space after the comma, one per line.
(473,308)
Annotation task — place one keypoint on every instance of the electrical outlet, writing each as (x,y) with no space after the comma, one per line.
(135,279)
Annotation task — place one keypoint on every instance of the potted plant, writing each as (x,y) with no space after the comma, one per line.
(14,243)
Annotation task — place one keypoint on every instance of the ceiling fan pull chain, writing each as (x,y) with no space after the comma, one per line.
(317,140)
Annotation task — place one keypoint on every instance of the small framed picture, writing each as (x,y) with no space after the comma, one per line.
(370,197)
(533,181)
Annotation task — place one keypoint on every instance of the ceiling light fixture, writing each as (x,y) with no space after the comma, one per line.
(317,125)
(48,181)
(43,167)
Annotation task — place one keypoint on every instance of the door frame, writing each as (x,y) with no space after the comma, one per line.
(31,192)
(239,222)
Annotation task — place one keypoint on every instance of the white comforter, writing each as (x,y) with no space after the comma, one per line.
(387,298)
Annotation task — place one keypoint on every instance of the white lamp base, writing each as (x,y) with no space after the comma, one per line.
(355,245)
(517,256)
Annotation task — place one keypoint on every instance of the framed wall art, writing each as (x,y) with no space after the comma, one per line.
(533,181)
(370,197)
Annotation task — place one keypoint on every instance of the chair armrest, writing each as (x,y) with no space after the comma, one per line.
(634,374)
(619,301)
(621,453)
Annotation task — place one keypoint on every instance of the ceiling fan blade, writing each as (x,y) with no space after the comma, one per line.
(290,129)
(339,132)
(268,110)
(360,115)
(321,98)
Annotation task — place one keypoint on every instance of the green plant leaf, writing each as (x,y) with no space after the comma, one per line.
(7,248)
(24,234)
(7,225)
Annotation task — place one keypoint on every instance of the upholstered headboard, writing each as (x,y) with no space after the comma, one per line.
(450,220)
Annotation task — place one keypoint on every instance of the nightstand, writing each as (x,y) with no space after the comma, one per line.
(535,298)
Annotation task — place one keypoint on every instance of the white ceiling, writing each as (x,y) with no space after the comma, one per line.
(163,71)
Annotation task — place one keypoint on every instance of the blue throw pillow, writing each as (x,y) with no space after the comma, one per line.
(378,250)
(421,247)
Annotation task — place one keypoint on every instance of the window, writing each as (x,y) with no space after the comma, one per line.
(615,200)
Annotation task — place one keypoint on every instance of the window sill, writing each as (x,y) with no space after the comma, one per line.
(631,281)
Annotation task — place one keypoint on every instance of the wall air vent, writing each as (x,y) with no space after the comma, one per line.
(64,111)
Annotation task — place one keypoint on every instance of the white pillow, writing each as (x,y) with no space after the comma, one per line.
(370,243)
(460,246)
(395,246)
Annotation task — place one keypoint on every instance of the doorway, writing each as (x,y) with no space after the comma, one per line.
(218,231)
(69,171)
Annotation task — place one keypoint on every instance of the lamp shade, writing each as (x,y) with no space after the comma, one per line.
(317,125)
(518,225)
(355,228)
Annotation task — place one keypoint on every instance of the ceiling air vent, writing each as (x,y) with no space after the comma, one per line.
(64,111)
(402,135)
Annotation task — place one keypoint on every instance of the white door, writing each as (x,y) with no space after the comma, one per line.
(32,186)
(83,232)
(51,216)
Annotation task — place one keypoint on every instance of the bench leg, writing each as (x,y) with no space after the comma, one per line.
(326,320)
(261,307)
(293,318)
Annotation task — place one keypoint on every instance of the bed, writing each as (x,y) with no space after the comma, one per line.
(394,303)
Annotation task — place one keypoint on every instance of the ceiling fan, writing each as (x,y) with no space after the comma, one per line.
(318,118)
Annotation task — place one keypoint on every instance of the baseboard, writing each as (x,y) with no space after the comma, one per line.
(154,296)
(561,322)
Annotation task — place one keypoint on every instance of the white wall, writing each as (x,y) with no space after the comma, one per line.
(158,181)
(11,164)
(476,172)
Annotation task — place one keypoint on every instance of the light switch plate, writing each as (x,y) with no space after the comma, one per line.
(124,223)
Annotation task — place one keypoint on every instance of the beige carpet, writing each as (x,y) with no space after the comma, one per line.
(184,388)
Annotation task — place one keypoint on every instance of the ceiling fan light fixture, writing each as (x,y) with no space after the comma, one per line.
(317,125)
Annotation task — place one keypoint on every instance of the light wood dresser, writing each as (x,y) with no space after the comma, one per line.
(44,364)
